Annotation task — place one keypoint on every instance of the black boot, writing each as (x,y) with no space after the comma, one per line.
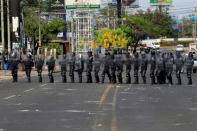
(72,79)
(40,79)
(128,80)
(80,79)
(103,79)
(190,81)
(97,79)
(29,79)
(144,80)
(136,80)
(152,80)
(179,81)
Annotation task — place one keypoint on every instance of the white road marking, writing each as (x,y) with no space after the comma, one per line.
(6,98)
(24,110)
(28,90)
(2,129)
(75,111)
(43,85)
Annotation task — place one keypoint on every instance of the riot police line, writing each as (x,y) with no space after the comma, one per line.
(112,65)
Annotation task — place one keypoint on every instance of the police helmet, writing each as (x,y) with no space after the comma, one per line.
(152,52)
(190,55)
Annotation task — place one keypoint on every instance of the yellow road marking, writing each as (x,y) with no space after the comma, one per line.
(105,94)
(114,120)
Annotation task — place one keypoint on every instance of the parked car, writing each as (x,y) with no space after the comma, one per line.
(195,64)
(180,48)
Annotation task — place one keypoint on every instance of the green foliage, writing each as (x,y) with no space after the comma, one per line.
(179,42)
(49,31)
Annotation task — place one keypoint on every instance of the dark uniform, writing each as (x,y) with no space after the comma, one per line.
(189,65)
(28,67)
(128,63)
(106,64)
(63,64)
(160,69)
(72,67)
(169,67)
(80,67)
(89,67)
(179,65)
(152,67)
(39,62)
(97,64)
(14,61)
(119,67)
(113,68)
(136,65)
(144,64)
(51,65)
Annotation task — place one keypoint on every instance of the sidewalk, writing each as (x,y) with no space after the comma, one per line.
(6,74)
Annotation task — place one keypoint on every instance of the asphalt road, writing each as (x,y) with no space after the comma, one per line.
(97,107)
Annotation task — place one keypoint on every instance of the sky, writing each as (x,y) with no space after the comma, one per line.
(179,8)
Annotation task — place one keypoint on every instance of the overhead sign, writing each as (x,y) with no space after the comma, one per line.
(161,2)
(77,4)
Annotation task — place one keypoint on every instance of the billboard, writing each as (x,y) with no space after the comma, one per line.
(130,3)
(161,2)
(76,4)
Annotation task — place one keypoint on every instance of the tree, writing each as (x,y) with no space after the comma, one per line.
(148,24)
(111,39)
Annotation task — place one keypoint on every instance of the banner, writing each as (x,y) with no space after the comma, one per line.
(76,4)
(161,2)
(130,3)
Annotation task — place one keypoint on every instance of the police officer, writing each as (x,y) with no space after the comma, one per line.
(28,63)
(119,66)
(189,65)
(39,62)
(14,61)
(169,67)
(113,68)
(72,67)
(63,64)
(80,67)
(51,65)
(144,64)
(152,67)
(136,63)
(89,67)
(128,63)
(106,64)
(160,65)
(97,64)
(179,65)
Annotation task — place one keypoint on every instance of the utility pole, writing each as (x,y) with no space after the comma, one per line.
(40,44)
(2,26)
(119,9)
(195,24)
(8,26)
(108,14)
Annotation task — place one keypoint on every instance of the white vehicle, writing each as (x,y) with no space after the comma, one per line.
(153,44)
(195,64)
(180,48)
(193,47)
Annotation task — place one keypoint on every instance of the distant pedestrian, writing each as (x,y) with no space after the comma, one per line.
(1,59)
